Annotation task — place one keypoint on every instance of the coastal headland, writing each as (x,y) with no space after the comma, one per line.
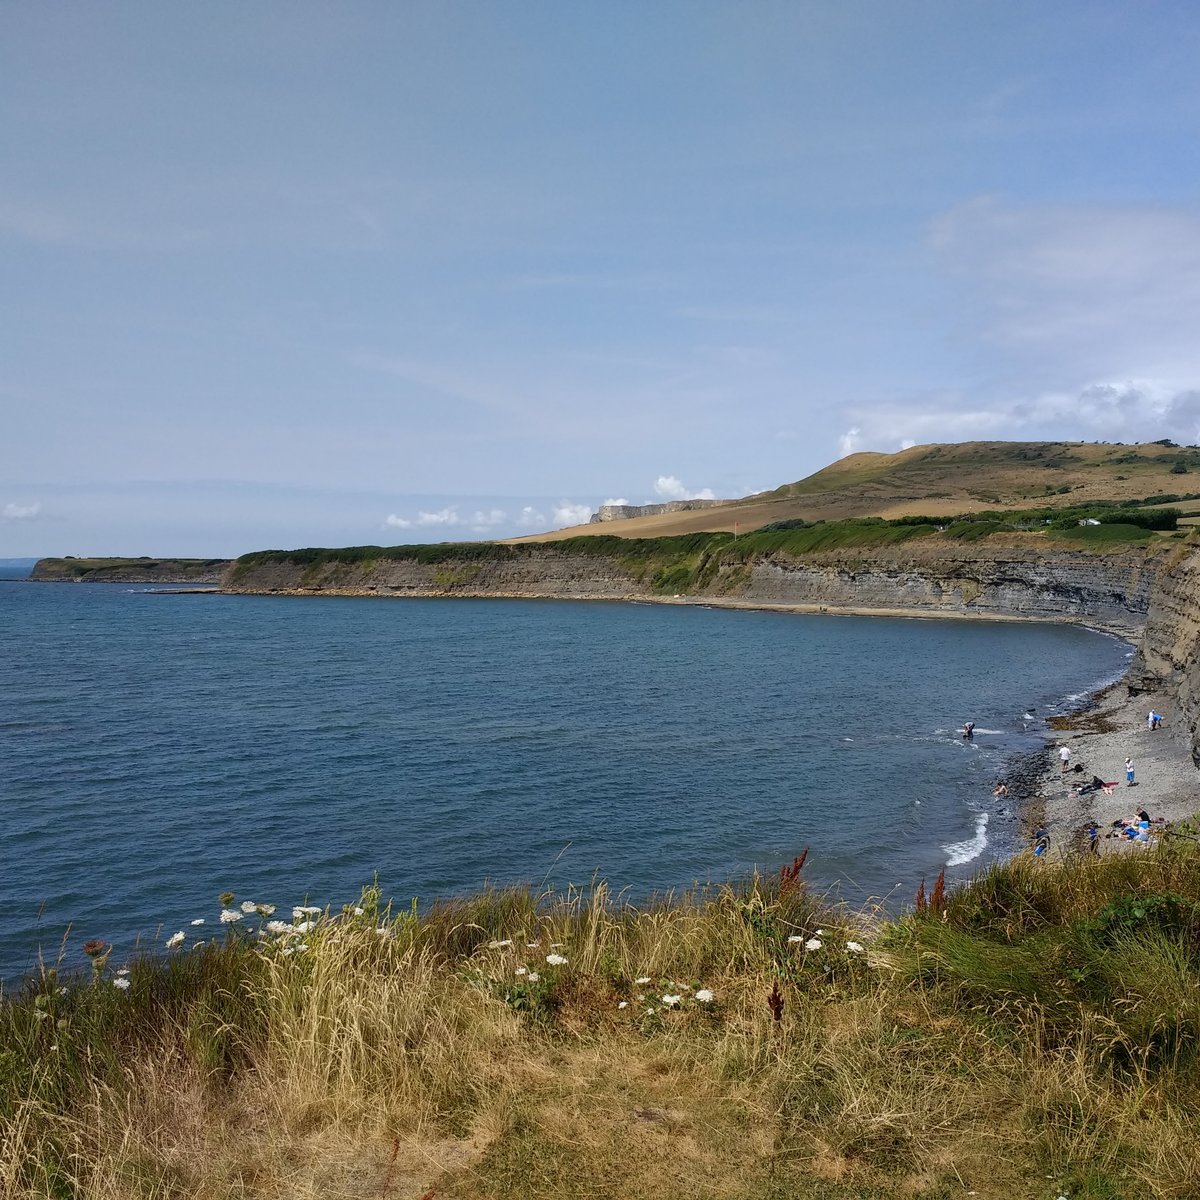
(129,570)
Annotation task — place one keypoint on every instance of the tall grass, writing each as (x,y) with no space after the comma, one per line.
(1038,1030)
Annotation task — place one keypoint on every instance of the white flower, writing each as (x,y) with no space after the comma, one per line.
(671,1001)
(266,910)
(229,915)
(556,960)
(304,927)
(705,996)
(300,949)
(623,1004)
(794,938)
(248,906)
(358,912)
(121,982)
(820,933)
(278,927)
(62,991)
(123,971)
(854,947)
(649,1012)
(533,977)
(642,979)
(176,939)
(305,910)
(813,944)
(198,921)
(500,945)
(384,931)
(287,950)
(521,971)
(531,945)
(641,995)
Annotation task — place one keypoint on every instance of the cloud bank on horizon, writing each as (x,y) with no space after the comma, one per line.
(502,265)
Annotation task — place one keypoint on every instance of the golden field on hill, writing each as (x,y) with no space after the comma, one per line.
(940,480)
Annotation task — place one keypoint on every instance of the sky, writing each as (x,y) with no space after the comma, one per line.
(279,275)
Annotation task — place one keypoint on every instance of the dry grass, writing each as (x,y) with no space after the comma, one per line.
(1038,1039)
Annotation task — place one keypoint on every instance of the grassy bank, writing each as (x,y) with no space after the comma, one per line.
(1032,1035)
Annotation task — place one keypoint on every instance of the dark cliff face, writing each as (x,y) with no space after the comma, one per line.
(1166,658)
(1112,590)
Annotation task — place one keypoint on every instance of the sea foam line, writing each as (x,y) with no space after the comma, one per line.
(963,852)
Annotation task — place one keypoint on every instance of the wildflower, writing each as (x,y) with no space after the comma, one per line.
(642,979)
(198,921)
(556,960)
(305,927)
(650,1012)
(304,910)
(248,906)
(265,910)
(121,982)
(42,1016)
(671,1001)
(278,927)
(813,944)
(62,991)
(500,945)
(176,939)
(226,899)
(623,1004)
(123,971)
(287,950)
(384,931)
(358,912)
(705,996)
(300,949)
(531,945)
(820,933)
(521,971)
(533,977)
(229,916)
(854,947)
(794,938)
(96,948)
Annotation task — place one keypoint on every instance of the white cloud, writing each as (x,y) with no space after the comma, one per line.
(671,488)
(567,513)
(396,522)
(20,512)
(444,517)
(619,500)
(531,518)
(907,444)
(850,440)
(481,521)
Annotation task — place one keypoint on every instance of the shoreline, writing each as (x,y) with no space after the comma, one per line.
(1125,630)
(1100,735)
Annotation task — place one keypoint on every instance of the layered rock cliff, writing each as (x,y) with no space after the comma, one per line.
(1166,658)
(129,570)
(989,580)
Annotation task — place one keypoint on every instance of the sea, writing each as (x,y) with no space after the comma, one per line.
(158,749)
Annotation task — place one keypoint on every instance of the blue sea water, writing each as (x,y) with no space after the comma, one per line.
(158,749)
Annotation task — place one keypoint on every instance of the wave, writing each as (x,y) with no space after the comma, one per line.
(964,852)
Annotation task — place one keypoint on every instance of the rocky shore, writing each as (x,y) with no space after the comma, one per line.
(1100,737)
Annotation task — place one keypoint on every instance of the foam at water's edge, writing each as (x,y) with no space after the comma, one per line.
(964,852)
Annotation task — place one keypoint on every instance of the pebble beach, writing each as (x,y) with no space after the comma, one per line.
(1100,737)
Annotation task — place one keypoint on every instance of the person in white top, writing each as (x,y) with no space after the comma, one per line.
(1064,756)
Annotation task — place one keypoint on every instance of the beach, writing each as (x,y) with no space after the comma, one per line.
(1100,737)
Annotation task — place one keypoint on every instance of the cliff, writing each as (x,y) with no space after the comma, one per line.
(1000,578)
(130,570)
(1166,658)
(628,512)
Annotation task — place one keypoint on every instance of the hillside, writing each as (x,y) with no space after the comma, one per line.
(938,480)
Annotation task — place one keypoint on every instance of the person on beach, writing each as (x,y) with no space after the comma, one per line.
(1093,839)
(1150,719)
(1129,772)
(1064,756)
(1041,842)
(1001,789)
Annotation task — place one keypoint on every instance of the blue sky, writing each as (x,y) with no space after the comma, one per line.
(281,275)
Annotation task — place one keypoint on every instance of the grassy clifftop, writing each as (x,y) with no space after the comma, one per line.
(1035,1034)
